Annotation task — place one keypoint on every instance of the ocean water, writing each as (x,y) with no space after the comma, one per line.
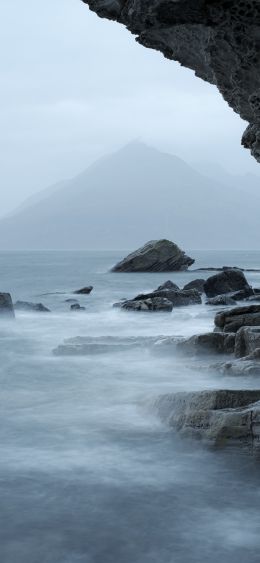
(88,474)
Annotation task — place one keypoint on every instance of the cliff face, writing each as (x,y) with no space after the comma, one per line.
(218,39)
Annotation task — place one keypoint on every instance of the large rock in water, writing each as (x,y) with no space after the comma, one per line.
(155,256)
(232,320)
(221,417)
(228,281)
(6,305)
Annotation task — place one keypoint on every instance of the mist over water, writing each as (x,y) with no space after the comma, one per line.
(88,473)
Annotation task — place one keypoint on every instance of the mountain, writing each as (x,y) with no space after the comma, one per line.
(132,196)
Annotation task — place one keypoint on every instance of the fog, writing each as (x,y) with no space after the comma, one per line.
(75,87)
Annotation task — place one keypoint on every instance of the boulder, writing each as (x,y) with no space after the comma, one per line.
(225,300)
(168,285)
(84,290)
(210,342)
(28,306)
(225,282)
(179,298)
(6,305)
(247,341)
(233,319)
(221,417)
(77,307)
(155,256)
(195,284)
(161,304)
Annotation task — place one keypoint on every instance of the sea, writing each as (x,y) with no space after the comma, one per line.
(88,472)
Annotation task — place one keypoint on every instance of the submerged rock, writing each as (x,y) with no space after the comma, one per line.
(225,300)
(6,305)
(221,417)
(84,290)
(195,284)
(28,306)
(210,342)
(148,304)
(155,256)
(89,345)
(226,282)
(77,307)
(232,320)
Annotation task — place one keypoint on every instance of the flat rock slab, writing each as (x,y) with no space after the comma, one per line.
(232,320)
(155,256)
(88,345)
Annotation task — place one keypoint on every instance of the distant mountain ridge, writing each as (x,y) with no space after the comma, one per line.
(134,195)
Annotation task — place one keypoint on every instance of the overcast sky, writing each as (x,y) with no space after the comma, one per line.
(74,87)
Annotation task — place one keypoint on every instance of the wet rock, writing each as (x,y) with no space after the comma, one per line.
(225,300)
(161,304)
(71,301)
(233,319)
(6,305)
(84,290)
(242,294)
(226,282)
(168,285)
(210,342)
(155,256)
(221,417)
(248,366)
(91,345)
(247,341)
(31,307)
(77,307)
(195,284)
(179,298)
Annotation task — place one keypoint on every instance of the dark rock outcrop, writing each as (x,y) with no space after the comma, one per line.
(155,256)
(225,282)
(247,341)
(77,307)
(232,320)
(210,342)
(179,298)
(195,284)
(28,306)
(168,285)
(6,305)
(218,39)
(160,304)
(84,290)
(221,417)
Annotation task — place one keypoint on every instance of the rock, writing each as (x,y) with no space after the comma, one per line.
(242,294)
(210,37)
(247,341)
(91,345)
(6,305)
(210,342)
(221,300)
(195,284)
(248,366)
(221,417)
(178,298)
(77,307)
(155,256)
(148,304)
(28,306)
(254,298)
(84,290)
(71,301)
(168,285)
(233,319)
(225,282)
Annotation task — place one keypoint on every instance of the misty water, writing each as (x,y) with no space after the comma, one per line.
(88,473)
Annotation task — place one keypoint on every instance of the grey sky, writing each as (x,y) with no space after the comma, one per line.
(74,87)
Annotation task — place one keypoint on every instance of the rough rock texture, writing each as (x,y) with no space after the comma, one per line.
(225,282)
(148,304)
(195,284)
(155,256)
(233,319)
(6,305)
(218,39)
(168,285)
(225,300)
(221,417)
(216,342)
(179,298)
(247,341)
(28,306)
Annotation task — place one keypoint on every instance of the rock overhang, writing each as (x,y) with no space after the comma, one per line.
(218,39)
